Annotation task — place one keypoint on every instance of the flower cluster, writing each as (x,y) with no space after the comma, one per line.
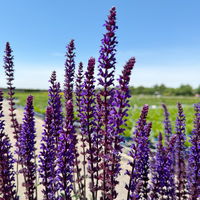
(81,145)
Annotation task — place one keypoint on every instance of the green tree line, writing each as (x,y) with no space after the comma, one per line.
(183,90)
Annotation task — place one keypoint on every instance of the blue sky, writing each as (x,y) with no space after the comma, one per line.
(163,35)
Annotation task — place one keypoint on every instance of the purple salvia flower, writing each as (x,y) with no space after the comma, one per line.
(78,91)
(98,137)
(69,72)
(87,117)
(68,96)
(47,157)
(107,63)
(66,155)
(194,158)
(26,143)
(162,172)
(140,154)
(54,101)
(167,124)
(7,174)
(118,113)
(180,165)
(9,71)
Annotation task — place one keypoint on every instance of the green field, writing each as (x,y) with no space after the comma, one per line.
(155,112)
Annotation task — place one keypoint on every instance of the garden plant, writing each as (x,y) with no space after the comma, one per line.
(82,142)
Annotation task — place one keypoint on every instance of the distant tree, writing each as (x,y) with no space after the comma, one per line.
(197,91)
(185,90)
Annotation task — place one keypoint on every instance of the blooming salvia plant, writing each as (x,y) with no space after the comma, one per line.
(107,63)
(80,155)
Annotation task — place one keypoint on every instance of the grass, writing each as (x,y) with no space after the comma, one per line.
(136,102)
(156,112)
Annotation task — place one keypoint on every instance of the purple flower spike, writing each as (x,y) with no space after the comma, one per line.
(107,63)
(7,174)
(56,104)
(81,179)
(167,124)
(87,120)
(47,157)
(69,72)
(27,150)
(9,71)
(66,155)
(162,172)
(79,87)
(180,165)
(118,113)
(194,158)
(140,159)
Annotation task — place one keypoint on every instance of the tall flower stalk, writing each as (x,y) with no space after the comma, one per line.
(107,63)
(47,157)
(9,71)
(81,179)
(26,142)
(117,118)
(54,101)
(68,96)
(139,153)
(87,121)
(194,158)
(180,156)
(7,174)
(66,155)
(163,186)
